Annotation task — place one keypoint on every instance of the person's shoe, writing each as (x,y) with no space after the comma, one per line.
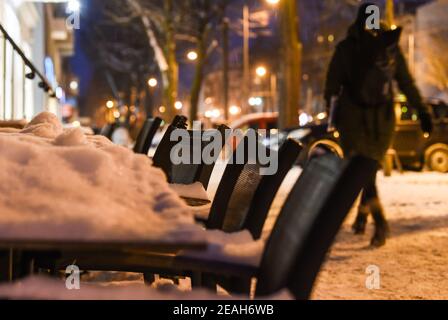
(359,226)
(381,226)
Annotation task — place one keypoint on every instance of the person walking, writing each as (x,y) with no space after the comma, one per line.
(359,92)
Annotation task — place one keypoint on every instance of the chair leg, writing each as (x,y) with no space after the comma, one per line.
(149,278)
(196,280)
(6,261)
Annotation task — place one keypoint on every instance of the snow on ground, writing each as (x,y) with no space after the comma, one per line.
(63,184)
(413,263)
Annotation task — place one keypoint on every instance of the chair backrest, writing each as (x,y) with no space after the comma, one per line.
(268,187)
(108,130)
(309,221)
(146,135)
(161,158)
(195,171)
(198,170)
(237,196)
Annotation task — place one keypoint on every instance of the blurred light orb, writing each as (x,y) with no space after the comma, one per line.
(76,124)
(255,101)
(152,82)
(330,38)
(322,115)
(117,114)
(273,1)
(162,109)
(178,105)
(59,92)
(261,71)
(234,110)
(110,104)
(192,55)
(74,85)
(303,119)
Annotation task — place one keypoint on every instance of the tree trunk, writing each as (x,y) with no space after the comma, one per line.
(290,78)
(225,67)
(172,74)
(390,12)
(197,81)
(165,57)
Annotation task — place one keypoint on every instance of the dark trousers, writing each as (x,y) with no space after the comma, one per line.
(370,191)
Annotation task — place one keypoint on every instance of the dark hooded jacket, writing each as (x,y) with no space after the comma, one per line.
(365,130)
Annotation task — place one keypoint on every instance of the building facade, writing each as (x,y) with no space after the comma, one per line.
(41,33)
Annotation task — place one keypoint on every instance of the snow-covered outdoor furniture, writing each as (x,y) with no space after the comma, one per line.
(62,189)
(43,288)
(242,194)
(146,135)
(192,172)
(296,248)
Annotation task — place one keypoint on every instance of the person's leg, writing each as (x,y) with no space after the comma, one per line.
(376,209)
(359,226)
(368,193)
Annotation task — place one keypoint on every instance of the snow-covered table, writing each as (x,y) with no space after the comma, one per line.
(63,190)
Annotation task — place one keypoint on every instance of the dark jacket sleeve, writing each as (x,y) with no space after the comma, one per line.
(335,76)
(407,85)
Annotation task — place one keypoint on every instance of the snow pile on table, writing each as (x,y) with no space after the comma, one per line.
(237,247)
(40,288)
(58,184)
(194,191)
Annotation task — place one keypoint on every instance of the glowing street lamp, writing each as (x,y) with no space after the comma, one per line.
(178,105)
(74,85)
(110,104)
(273,2)
(152,82)
(261,71)
(234,110)
(192,55)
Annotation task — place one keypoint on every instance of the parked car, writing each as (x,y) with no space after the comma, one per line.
(414,149)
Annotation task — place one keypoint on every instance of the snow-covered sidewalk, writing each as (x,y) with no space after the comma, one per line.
(413,263)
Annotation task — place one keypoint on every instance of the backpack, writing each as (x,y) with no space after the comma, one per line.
(374,85)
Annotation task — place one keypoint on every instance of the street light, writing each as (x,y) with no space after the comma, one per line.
(178,105)
(192,55)
(74,85)
(234,110)
(152,82)
(261,71)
